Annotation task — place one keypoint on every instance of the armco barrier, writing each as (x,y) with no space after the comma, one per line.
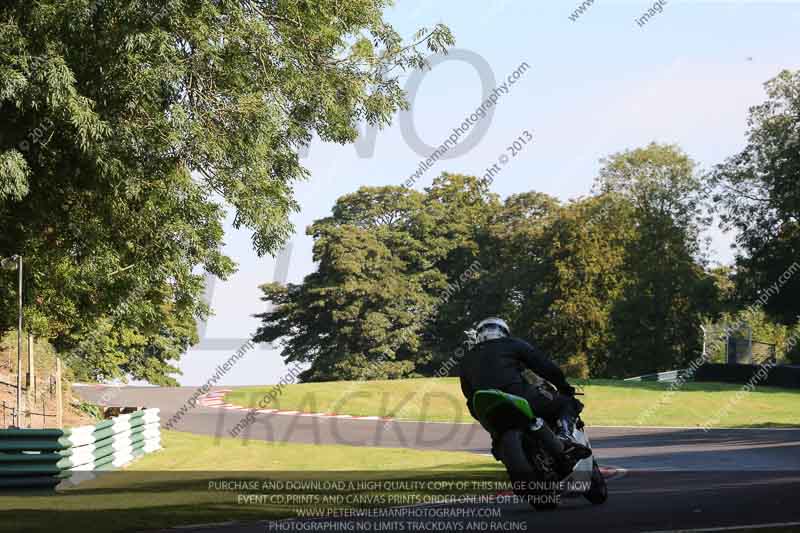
(42,458)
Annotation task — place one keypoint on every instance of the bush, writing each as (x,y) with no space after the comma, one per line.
(577,366)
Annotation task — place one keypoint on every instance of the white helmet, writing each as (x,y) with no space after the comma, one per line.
(492,328)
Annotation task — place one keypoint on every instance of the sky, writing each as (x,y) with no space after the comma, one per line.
(592,87)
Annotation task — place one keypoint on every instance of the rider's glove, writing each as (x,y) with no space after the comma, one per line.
(569,390)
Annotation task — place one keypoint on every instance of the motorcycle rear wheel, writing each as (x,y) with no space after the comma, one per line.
(512,453)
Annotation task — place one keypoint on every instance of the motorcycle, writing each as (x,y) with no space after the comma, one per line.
(534,456)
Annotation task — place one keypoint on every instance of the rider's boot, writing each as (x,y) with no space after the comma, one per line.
(573,449)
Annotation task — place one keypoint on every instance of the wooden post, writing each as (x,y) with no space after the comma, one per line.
(59,403)
(31,401)
(31,368)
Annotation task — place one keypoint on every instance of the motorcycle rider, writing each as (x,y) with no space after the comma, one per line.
(497,362)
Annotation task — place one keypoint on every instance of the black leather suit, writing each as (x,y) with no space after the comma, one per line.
(499,363)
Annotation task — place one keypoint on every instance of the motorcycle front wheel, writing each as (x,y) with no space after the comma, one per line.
(598,492)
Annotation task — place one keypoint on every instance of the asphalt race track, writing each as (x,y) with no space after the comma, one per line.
(665,479)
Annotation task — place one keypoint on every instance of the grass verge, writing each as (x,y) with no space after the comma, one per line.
(608,402)
(185,484)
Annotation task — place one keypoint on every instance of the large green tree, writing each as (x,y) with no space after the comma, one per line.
(362,313)
(130,127)
(390,297)
(758,195)
(463,208)
(656,322)
(580,279)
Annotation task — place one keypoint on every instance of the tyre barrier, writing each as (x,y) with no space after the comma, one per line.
(56,458)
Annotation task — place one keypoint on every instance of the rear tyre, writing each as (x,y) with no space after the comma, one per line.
(598,492)
(512,453)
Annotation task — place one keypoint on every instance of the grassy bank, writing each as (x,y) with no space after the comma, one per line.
(607,402)
(182,484)
(76,412)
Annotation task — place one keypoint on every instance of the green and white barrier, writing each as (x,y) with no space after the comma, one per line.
(50,457)
(664,377)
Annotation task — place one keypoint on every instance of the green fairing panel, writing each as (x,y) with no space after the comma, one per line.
(485,401)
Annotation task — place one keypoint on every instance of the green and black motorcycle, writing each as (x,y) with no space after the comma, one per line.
(534,456)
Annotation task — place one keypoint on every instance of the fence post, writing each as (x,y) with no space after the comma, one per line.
(31,367)
(59,404)
(31,400)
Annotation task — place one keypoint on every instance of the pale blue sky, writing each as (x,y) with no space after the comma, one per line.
(596,86)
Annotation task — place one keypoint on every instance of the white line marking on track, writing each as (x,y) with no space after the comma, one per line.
(619,472)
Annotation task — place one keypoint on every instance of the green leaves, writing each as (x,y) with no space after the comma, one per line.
(656,319)
(365,307)
(159,117)
(604,285)
(758,195)
(14,173)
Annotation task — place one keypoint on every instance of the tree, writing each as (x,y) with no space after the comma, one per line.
(723,276)
(581,278)
(605,284)
(514,254)
(361,315)
(656,322)
(461,207)
(128,126)
(758,194)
